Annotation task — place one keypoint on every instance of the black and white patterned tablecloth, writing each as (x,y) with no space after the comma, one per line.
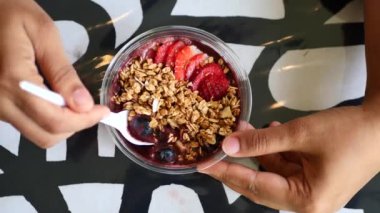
(302,56)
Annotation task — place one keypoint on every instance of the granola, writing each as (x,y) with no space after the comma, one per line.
(151,89)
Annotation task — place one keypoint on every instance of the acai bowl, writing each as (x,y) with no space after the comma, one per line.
(185,91)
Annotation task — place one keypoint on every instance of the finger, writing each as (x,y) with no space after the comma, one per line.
(244,125)
(30,129)
(17,58)
(54,63)
(248,143)
(290,157)
(274,123)
(58,120)
(261,187)
(277,164)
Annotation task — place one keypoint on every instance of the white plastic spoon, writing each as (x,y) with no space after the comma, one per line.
(118,120)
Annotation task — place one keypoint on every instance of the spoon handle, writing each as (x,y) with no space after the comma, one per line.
(43,93)
(55,98)
(51,96)
(116,120)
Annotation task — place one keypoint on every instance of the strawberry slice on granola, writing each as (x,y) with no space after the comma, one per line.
(162,51)
(208,69)
(172,52)
(213,86)
(182,59)
(194,64)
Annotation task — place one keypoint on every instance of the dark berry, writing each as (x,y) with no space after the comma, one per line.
(211,148)
(141,123)
(163,136)
(167,155)
(139,128)
(219,138)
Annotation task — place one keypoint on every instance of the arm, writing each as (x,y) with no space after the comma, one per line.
(317,163)
(372,41)
(28,37)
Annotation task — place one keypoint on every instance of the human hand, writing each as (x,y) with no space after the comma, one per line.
(313,164)
(28,37)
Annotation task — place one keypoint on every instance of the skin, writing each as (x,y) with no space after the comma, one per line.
(28,37)
(317,163)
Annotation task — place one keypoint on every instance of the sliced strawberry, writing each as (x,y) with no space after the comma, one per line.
(208,69)
(213,87)
(174,39)
(194,75)
(194,63)
(172,52)
(150,54)
(182,59)
(165,39)
(186,40)
(144,49)
(162,52)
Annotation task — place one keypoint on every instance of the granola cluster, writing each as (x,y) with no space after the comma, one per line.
(151,89)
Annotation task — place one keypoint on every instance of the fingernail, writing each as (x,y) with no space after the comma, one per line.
(275,123)
(231,146)
(81,96)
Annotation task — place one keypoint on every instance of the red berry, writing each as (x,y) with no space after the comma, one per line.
(213,87)
(151,54)
(186,40)
(194,63)
(165,40)
(162,52)
(172,52)
(182,59)
(194,75)
(144,49)
(208,69)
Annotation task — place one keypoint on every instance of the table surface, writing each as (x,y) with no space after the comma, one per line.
(301,56)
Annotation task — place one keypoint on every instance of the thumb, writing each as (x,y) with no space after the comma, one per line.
(264,188)
(249,143)
(55,66)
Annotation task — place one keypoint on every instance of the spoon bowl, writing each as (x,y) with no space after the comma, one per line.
(119,121)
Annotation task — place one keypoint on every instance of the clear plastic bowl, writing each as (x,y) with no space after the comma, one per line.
(126,53)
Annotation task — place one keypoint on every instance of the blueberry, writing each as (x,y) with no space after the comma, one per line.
(167,155)
(139,128)
(147,131)
(141,125)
